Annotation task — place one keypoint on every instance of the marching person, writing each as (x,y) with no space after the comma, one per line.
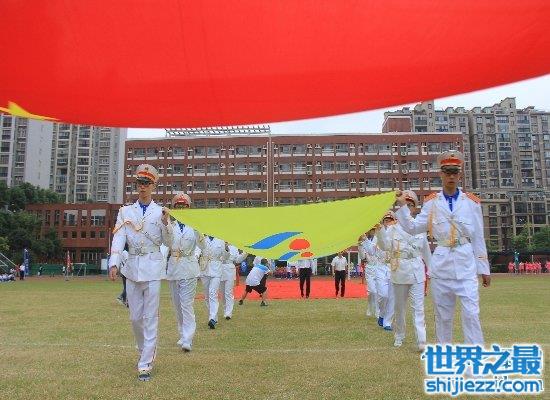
(408,255)
(384,288)
(454,219)
(340,271)
(229,273)
(214,252)
(256,280)
(182,272)
(304,272)
(144,226)
(373,258)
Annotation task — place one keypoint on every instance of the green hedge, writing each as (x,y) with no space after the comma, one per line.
(57,269)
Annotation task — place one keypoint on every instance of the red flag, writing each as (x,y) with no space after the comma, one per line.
(184,63)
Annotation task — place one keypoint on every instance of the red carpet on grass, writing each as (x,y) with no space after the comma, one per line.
(321,288)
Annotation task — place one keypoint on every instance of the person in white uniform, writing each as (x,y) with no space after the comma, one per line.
(372,257)
(339,266)
(229,274)
(454,219)
(408,255)
(182,272)
(214,253)
(384,288)
(145,227)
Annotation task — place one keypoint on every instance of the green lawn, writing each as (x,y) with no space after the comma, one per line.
(71,340)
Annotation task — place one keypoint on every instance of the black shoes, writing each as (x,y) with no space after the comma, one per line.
(144,375)
(212,324)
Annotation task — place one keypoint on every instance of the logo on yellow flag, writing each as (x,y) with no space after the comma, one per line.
(291,232)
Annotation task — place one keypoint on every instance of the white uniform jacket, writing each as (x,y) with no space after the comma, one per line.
(144,235)
(461,251)
(182,262)
(376,258)
(407,254)
(304,263)
(228,266)
(212,257)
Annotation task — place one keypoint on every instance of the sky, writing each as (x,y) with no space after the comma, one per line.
(532,92)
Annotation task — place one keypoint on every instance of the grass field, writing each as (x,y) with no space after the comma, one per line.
(71,340)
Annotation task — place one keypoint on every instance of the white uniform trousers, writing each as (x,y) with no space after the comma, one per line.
(444,294)
(372,300)
(183,296)
(415,292)
(384,294)
(226,288)
(211,285)
(143,302)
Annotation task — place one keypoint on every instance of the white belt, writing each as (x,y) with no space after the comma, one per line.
(140,251)
(408,257)
(180,253)
(456,243)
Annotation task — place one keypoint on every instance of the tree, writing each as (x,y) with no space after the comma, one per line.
(4,246)
(4,195)
(18,199)
(491,247)
(521,241)
(541,239)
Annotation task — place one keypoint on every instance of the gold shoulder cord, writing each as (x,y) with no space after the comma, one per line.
(431,221)
(137,228)
(394,262)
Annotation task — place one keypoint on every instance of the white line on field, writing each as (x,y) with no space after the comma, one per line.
(211,350)
(198,349)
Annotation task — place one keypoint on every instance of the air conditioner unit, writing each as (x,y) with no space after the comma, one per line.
(264,147)
(189,184)
(309,146)
(403,153)
(352,163)
(317,146)
(223,149)
(362,190)
(231,183)
(222,165)
(361,163)
(309,173)
(222,183)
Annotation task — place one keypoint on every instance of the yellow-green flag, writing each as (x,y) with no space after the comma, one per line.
(291,232)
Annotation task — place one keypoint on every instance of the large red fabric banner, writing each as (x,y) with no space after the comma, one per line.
(172,63)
